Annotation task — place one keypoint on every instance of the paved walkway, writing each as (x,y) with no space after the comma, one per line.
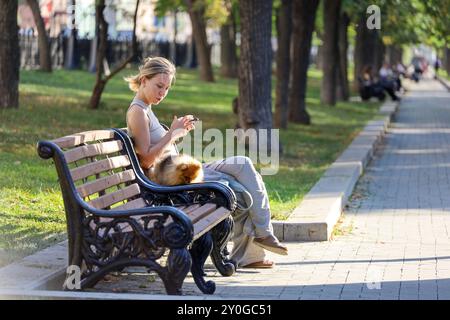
(394,239)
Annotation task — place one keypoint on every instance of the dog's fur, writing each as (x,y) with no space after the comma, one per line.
(177,169)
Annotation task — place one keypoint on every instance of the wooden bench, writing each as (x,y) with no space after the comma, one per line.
(117,218)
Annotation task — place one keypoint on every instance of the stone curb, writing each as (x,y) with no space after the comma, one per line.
(444,82)
(319,211)
(37,270)
(18,294)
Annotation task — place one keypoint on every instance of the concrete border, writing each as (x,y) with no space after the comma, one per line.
(316,216)
(20,294)
(36,271)
(444,82)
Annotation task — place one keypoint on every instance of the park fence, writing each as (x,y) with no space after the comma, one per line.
(84,50)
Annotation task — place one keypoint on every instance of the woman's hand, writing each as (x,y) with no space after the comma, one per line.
(181,126)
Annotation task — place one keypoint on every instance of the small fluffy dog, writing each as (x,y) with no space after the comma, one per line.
(177,169)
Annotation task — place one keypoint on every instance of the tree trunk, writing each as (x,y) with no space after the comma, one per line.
(102,31)
(399,55)
(319,57)
(45,61)
(444,58)
(390,54)
(393,54)
(255,101)
(97,94)
(69,62)
(366,48)
(203,50)
(379,54)
(331,15)
(447,59)
(173,44)
(228,57)
(9,55)
(342,88)
(304,16)
(284,31)
(189,61)
(93,54)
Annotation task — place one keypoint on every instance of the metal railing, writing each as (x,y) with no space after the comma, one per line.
(83,56)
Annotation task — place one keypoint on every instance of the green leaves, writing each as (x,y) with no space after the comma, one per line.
(408,22)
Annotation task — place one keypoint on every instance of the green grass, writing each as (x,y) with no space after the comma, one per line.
(52,105)
(442,73)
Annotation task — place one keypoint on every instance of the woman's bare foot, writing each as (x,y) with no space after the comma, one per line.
(265,264)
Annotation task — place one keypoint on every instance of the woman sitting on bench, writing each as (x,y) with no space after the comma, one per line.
(253,230)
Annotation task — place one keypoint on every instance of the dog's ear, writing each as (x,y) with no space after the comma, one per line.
(194,173)
(182,167)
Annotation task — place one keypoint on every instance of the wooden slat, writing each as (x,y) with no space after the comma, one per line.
(83,137)
(201,212)
(92,150)
(133,204)
(105,182)
(114,197)
(186,209)
(196,211)
(210,221)
(191,208)
(99,166)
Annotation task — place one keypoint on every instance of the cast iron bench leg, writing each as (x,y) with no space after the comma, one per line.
(221,234)
(178,265)
(200,250)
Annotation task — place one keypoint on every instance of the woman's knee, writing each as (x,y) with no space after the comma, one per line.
(237,165)
(245,164)
(242,160)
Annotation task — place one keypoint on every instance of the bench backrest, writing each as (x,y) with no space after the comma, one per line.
(96,167)
(101,170)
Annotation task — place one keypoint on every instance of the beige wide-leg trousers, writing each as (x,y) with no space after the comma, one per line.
(253,223)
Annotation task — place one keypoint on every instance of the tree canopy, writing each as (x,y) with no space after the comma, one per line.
(409,22)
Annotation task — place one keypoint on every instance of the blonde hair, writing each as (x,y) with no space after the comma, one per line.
(150,68)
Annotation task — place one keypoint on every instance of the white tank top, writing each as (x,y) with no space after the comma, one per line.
(157,131)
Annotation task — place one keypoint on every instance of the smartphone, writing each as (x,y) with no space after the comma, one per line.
(195,119)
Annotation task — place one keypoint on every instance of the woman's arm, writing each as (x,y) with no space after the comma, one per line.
(138,122)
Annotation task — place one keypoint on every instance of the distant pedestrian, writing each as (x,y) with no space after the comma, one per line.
(437,65)
(388,81)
